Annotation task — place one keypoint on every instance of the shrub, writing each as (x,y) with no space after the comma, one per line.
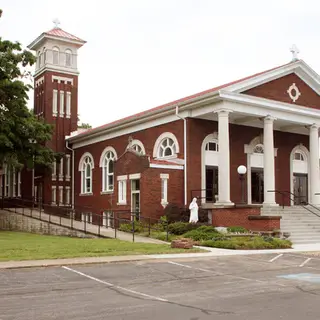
(202,233)
(237,229)
(179,228)
(127,227)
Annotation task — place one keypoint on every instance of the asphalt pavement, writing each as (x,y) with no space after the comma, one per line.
(257,287)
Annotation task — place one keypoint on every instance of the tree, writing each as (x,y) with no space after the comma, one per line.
(23,136)
(85,126)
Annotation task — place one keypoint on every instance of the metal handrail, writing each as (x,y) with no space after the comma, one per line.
(288,194)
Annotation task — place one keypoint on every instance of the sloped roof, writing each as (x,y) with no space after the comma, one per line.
(58,32)
(175,102)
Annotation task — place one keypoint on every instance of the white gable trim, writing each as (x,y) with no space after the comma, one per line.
(165,166)
(300,68)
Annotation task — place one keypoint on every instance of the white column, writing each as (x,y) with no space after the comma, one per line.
(224,158)
(314,165)
(268,162)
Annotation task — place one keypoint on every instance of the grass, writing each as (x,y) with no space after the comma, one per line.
(27,246)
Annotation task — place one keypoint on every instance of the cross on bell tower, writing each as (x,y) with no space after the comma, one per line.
(56,23)
(295,51)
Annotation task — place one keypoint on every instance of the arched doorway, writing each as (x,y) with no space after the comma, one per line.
(299,175)
(209,168)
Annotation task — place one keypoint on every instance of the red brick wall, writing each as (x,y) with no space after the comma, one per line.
(277,90)
(240,217)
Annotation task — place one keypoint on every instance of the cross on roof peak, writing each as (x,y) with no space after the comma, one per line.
(295,51)
(56,23)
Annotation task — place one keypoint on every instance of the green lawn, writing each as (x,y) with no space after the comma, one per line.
(28,246)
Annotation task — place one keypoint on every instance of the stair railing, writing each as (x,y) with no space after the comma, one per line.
(288,194)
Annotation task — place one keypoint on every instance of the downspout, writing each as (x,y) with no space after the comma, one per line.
(185,152)
(73,173)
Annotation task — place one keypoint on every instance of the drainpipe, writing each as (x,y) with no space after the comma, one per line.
(185,152)
(72,178)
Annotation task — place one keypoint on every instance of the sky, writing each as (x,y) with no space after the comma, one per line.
(143,53)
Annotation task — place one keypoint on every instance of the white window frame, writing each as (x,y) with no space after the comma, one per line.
(61,113)
(122,190)
(164,189)
(54,170)
(68,104)
(6,182)
(68,167)
(35,194)
(108,154)
(60,195)
(86,217)
(135,145)
(14,183)
(68,52)
(19,184)
(61,169)
(85,160)
(55,55)
(53,195)
(160,141)
(55,103)
(108,219)
(67,199)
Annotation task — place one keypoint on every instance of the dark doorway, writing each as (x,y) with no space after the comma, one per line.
(300,188)
(257,185)
(211,183)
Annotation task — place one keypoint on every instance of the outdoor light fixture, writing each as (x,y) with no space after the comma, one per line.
(242,170)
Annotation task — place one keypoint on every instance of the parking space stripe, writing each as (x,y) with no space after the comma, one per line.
(186,266)
(305,262)
(275,258)
(113,286)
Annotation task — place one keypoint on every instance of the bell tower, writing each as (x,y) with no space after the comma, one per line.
(56,101)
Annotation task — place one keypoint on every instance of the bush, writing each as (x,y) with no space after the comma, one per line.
(179,228)
(202,233)
(237,229)
(127,227)
(247,243)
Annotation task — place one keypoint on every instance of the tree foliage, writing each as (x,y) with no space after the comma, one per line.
(85,126)
(23,136)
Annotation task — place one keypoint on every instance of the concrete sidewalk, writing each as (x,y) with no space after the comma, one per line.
(211,252)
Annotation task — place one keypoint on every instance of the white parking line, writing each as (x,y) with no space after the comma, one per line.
(113,286)
(305,262)
(275,258)
(186,266)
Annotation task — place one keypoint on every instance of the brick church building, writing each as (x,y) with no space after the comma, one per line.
(192,147)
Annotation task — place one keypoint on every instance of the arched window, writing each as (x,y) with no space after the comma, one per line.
(258,148)
(166,146)
(137,146)
(298,156)
(68,57)
(39,59)
(55,55)
(212,146)
(107,163)
(44,55)
(86,166)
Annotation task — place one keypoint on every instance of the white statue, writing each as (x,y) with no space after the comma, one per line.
(193,211)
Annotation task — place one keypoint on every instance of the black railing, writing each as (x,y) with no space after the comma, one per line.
(83,219)
(292,197)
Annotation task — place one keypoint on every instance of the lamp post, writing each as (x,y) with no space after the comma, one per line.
(242,170)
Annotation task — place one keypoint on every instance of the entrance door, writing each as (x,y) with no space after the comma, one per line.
(211,183)
(257,185)
(135,199)
(300,188)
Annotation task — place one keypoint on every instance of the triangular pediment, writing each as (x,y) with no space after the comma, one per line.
(294,83)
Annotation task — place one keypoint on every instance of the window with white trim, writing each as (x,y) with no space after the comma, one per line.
(54,170)
(86,175)
(107,171)
(137,148)
(258,148)
(55,103)
(55,55)
(14,183)
(122,190)
(298,156)
(35,194)
(61,195)
(61,103)
(53,194)
(61,169)
(108,219)
(6,182)
(164,188)
(67,199)
(167,148)
(86,217)
(212,146)
(68,160)
(68,57)
(19,184)
(68,105)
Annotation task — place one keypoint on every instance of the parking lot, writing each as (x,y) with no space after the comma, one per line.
(266,286)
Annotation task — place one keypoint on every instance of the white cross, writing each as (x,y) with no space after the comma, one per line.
(56,23)
(295,51)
